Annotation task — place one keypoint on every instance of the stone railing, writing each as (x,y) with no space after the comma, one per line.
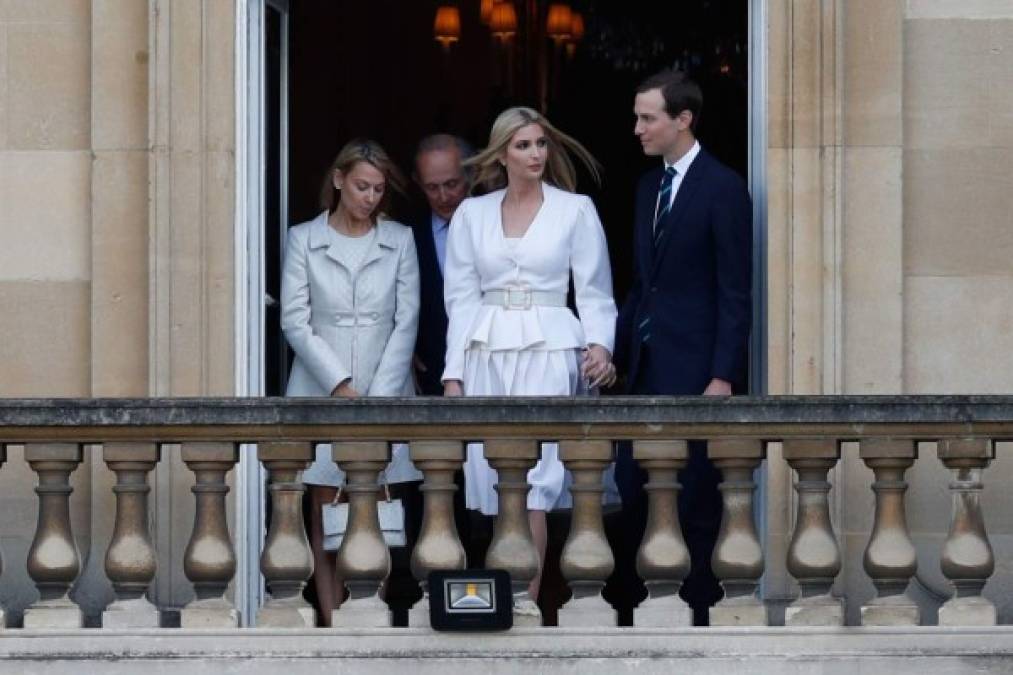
(211,431)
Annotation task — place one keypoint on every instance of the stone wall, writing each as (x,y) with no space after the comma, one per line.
(890,229)
(117,163)
(958,234)
(46,222)
(889,232)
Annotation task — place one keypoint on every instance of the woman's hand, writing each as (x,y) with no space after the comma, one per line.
(453,388)
(597,367)
(345,390)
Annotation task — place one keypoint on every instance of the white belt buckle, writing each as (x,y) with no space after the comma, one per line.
(517,297)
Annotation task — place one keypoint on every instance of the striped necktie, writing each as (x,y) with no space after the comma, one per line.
(664,206)
(664,203)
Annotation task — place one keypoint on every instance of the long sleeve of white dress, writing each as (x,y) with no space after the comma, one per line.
(462,291)
(592,278)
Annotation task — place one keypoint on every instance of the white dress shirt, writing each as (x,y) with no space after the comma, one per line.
(681,167)
(440,229)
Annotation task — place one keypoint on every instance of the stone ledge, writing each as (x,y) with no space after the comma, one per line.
(250,419)
(724,651)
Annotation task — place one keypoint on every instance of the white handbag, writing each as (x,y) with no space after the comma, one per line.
(390,511)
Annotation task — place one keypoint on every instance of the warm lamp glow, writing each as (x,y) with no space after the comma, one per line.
(577,27)
(504,20)
(447,25)
(486,11)
(560,22)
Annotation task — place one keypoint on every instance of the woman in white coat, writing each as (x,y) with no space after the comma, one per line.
(350,309)
(510,257)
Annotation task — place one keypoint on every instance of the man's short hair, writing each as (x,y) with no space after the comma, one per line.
(447,142)
(680,93)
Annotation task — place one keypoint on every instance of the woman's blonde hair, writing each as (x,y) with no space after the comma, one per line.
(355,151)
(559,169)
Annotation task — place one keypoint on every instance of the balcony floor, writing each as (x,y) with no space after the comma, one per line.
(704,651)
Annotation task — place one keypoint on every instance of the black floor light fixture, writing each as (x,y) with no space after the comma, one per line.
(470,600)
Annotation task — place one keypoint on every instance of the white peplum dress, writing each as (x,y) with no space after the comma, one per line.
(496,350)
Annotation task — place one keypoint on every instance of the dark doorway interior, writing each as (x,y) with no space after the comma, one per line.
(374,69)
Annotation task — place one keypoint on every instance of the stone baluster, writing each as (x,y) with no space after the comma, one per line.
(363,560)
(512,547)
(814,558)
(286,561)
(890,558)
(53,560)
(131,558)
(439,546)
(209,561)
(3,613)
(967,558)
(663,558)
(587,560)
(738,556)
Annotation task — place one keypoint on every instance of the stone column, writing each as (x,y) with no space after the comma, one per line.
(209,561)
(439,546)
(738,556)
(967,559)
(53,560)
(286,562)
(663,559)
(512,548)
(814,558)
(363,560)
(587,559)
(3,614)
(131,558)
(890,558)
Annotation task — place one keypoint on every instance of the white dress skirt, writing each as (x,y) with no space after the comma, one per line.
(525,349)
(518,373)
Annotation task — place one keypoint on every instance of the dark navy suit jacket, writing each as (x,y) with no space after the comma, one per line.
(695,287)
(431,345)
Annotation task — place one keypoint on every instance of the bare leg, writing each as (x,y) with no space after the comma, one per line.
(540,534)
(330,590)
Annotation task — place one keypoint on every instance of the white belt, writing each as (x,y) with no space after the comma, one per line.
(523,298)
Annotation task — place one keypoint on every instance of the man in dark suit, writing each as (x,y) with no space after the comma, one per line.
(445,184)
(684,328)
(439,174)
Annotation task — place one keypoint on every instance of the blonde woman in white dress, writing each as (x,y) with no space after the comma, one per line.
(510,257)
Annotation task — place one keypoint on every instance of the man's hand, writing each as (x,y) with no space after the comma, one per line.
(345,390)
(453,388)
(718,387)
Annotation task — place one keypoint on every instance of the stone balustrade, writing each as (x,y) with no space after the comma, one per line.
(809,431)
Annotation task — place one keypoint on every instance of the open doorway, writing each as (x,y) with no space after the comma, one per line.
(377,70)
(332,70)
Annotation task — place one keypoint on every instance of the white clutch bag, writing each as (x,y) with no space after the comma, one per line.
(391,512)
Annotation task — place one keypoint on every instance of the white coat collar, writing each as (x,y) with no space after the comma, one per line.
(320,237)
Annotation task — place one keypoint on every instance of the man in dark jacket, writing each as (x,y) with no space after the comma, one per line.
(684,328)
(445,184)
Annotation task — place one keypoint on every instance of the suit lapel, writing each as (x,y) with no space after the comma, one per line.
(645,224)
(425,241)
(690,183)
(320,237)
(382,243)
